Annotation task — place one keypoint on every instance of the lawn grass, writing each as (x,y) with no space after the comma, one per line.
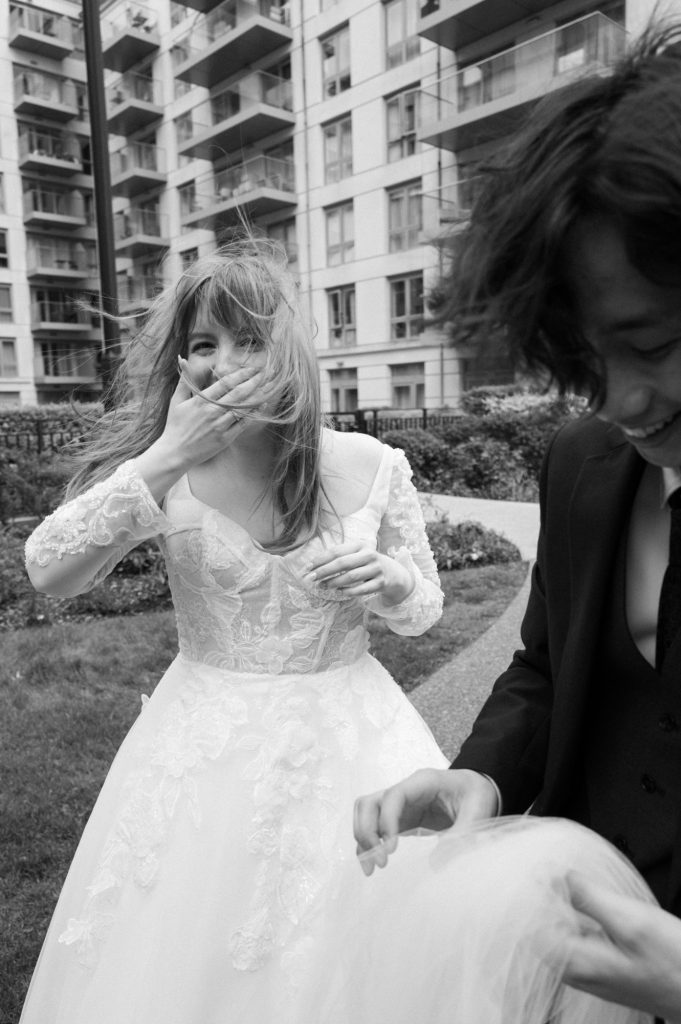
(68,694)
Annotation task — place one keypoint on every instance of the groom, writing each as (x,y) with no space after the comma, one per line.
(574,248)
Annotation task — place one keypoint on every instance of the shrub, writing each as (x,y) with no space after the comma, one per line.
(30,484)
(426,453)
(138,583)
(468,544)
(490,469)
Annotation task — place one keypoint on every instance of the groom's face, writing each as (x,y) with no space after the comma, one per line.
(635,326)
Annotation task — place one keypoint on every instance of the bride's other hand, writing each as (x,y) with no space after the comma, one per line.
(633,958)
(430,798)
(359,570)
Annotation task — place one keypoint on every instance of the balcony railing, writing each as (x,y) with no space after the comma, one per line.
(264,184)
(46,145)
(52,203)
(229,38)
(132,88)
(523,73)
(43,32)
(138,221)
(252,108)
(138,156)
(39,92)
(136,290)
(133,102)
(129,34)
(76,259)
(65,311)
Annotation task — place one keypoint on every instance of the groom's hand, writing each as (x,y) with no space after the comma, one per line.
(430,798)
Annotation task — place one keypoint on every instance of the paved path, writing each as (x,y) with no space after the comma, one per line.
(451,698)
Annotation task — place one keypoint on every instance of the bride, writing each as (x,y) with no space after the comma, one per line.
(215,881)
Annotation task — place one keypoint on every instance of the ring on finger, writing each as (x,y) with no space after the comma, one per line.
(238,416)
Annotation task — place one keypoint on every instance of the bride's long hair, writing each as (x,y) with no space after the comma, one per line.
(246,288)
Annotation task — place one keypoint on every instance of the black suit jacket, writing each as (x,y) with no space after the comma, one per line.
(528,733)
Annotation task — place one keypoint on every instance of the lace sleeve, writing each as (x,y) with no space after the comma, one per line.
(115,514)
(402,535)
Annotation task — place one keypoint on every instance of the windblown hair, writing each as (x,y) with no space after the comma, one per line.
(609,146)
(245,288)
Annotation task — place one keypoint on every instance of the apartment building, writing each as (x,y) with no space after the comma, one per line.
(350,131)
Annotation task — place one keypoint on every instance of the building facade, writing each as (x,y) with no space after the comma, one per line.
(349,131)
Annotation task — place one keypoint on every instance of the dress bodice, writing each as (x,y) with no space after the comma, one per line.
(239,606)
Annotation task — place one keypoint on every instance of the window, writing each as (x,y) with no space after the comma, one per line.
(2,194)
(402,113)
(343,390)
(406,306)
(336,62)
(8,358)
(401,31)
(285,233)
(4,258)
(342,321)
(5,303)
(404,216)
(408,386)
(340,235)
(338,150)
(188,256)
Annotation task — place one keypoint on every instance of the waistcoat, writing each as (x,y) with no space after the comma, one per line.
(629,786)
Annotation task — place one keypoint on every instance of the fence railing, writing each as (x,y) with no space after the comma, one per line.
(379,421)
(44,435)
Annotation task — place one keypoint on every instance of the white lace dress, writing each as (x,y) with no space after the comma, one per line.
(216,882)
(211,860)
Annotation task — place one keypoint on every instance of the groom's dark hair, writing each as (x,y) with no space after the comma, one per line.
(608,145)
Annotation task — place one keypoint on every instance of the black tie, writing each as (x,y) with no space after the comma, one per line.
(669,613)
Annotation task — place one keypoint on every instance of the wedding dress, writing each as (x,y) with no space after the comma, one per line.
(216,880)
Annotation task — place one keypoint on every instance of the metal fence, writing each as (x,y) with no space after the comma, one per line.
(45,435)
(379,421)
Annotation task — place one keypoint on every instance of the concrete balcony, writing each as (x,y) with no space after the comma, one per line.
(136,168)
(253,108)
(58,311)
(133,102)
(40,32)
(137,292)
(140,231)
(129,34)
(458,23)
(43,95)
(230,38)
(202,6)
(61,365)
(487,101)
(45,207)
(61,260)
(49,151)
(260,186)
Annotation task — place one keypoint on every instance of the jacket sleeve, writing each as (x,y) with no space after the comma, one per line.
(509,739)
(402,536)
(80,543)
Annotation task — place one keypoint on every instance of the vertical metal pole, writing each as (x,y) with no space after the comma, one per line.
(101,171)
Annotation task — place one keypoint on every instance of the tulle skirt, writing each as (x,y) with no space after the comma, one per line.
(212,859)
(470,928)
(216,881)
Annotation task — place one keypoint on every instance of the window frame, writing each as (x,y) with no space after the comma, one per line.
(342,318)
(344,250)
(413,321)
